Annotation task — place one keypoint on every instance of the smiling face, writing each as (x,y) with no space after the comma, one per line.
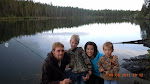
(73,43)
(58,53)
(90,50)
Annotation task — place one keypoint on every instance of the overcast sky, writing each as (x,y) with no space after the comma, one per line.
(98,4)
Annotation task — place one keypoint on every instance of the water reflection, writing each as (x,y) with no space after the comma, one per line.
(145,28)
(9,29)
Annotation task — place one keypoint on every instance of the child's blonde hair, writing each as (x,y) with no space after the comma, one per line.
(75,37)
(108,44)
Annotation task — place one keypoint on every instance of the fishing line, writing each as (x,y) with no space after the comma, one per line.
(29,49)
(38,55)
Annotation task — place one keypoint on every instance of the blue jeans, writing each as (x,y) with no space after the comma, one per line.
(76,78)
(67,73)
(110,82)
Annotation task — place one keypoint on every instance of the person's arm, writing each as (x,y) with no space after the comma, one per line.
(99,64)
(65,81)
(115,58)
(68,59)
(87,76)
(115,69)
(47,75)
(86,60)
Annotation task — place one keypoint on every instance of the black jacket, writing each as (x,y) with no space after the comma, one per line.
(51,72)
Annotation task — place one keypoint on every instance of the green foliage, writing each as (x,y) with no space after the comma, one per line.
(145,12)
(26,8)
(148,52)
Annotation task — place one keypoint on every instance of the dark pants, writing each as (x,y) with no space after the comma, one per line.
(95,80)
(76,78)
(67,73)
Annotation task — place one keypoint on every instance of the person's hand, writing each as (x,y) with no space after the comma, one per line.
(65,81)
(67,66)
(102,70)
(90,72)
(107,73)
(86,78)
(115,58)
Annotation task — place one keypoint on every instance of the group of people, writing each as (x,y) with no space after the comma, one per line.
(88,66)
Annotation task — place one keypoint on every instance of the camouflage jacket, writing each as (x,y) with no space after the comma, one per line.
(80,62)
(108,64)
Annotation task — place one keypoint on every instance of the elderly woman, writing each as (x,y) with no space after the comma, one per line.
(94,55)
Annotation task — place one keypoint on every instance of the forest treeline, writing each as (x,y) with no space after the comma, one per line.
(144,13)
(28,8)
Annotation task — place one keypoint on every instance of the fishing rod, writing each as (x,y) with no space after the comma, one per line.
(29,49)
(38,55)
(133,42)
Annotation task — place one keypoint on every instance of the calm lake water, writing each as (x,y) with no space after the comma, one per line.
(25,44)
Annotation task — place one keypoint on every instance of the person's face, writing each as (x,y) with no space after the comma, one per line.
(58,53)
(90,50)
(108,51)
(73,43)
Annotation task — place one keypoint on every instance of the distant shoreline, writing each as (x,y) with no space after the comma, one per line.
(44,18)
(29,18)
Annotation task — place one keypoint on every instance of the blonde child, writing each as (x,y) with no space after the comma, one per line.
(80,64)
(108,65)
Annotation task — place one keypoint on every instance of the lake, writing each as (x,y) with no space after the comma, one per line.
(24,44)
